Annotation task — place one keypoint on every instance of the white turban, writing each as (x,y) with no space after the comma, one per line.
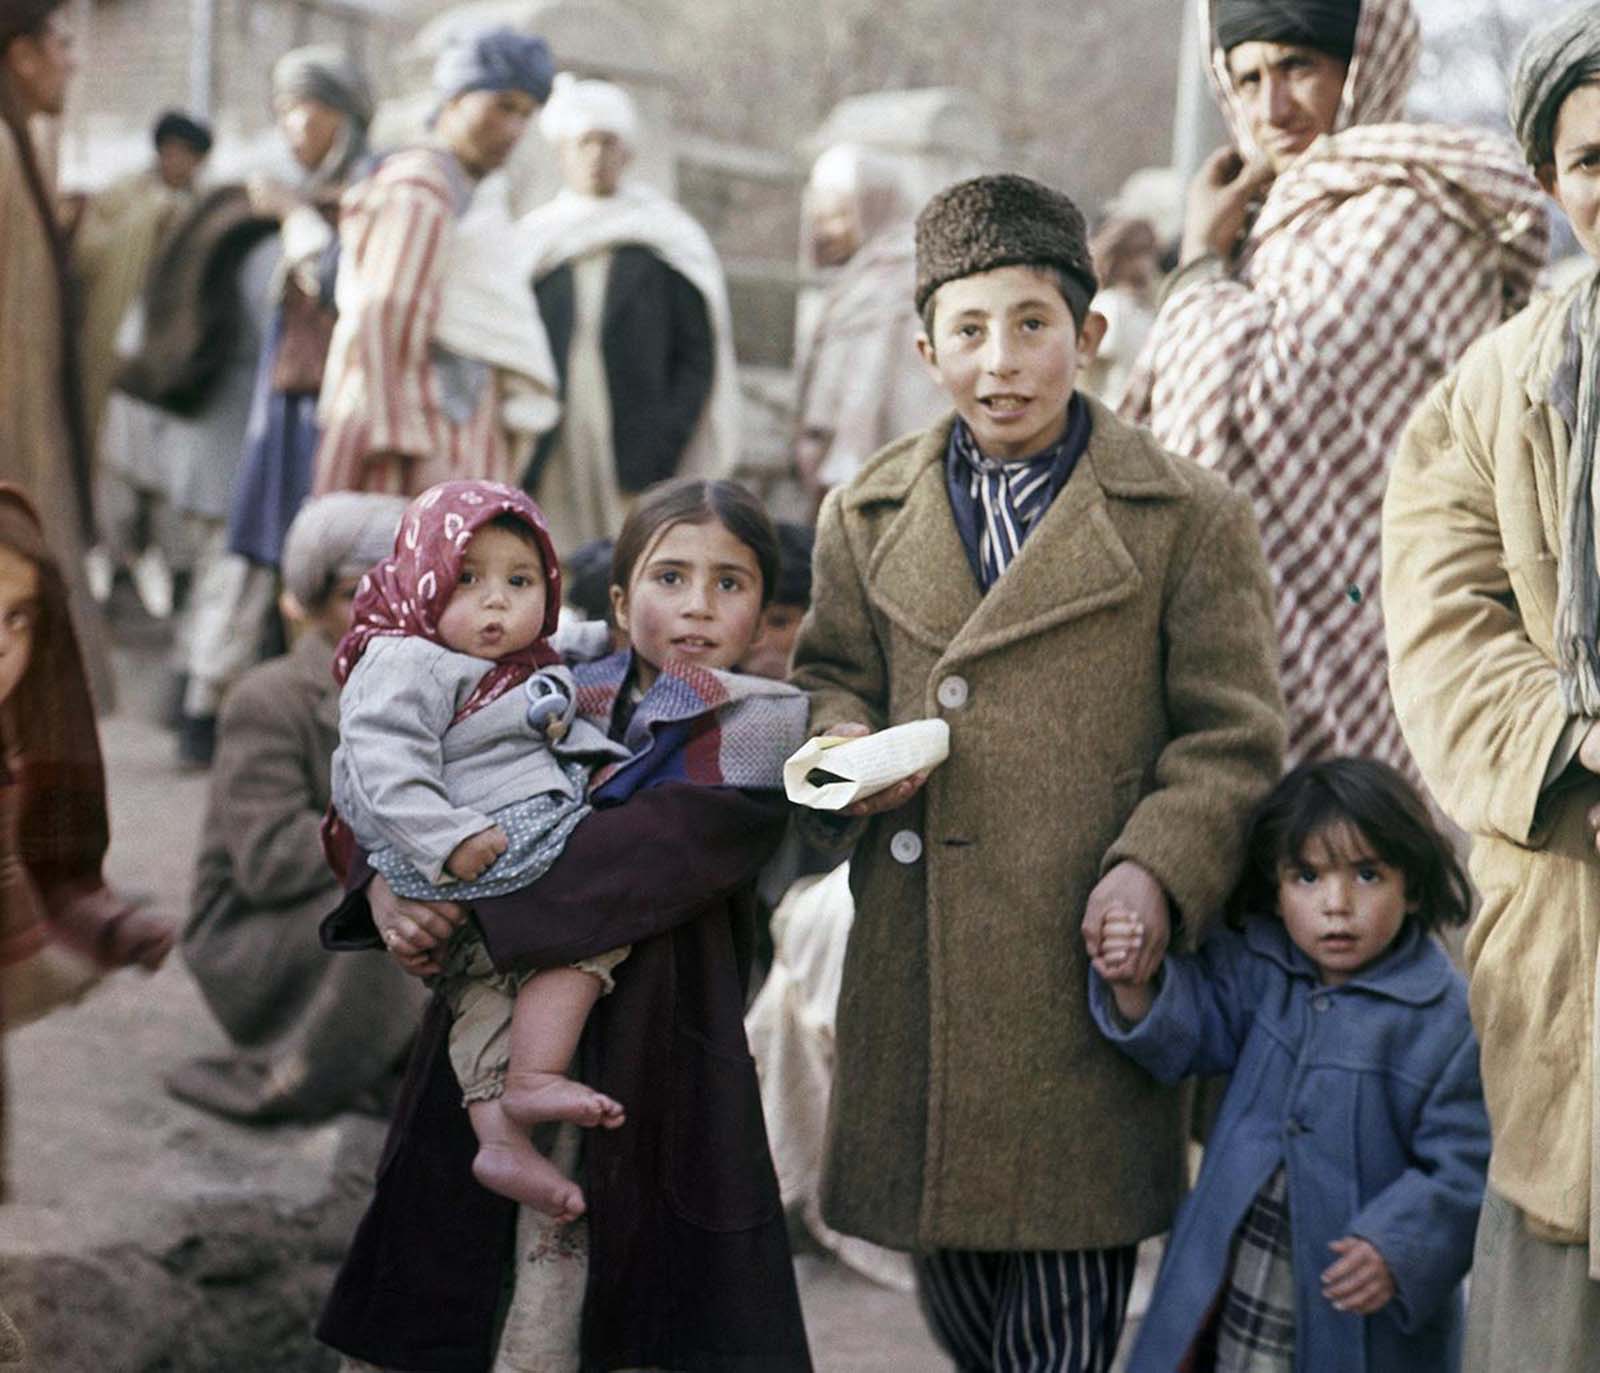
(579,107)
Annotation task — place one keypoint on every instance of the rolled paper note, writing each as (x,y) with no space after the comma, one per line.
(830,773)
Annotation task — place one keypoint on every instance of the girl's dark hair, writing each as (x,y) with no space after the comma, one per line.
(686,500)
(1376,801)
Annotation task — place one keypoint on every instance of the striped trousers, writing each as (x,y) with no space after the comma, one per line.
(1027,1312)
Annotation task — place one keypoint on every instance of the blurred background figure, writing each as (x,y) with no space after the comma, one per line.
(633,297)
(435,369)
(314,1034)
(44,442)
(1127,260)
(323,107)
(860,381)
(114,245)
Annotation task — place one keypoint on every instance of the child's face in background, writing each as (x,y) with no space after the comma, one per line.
(695,596)
(773,649)
(1342,904)
(19,614)
(1007,350)
(498,605)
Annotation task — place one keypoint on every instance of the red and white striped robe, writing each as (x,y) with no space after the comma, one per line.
(383,428)
(1377,258)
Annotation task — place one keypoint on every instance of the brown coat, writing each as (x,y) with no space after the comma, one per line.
(1471,541)
(1114,696)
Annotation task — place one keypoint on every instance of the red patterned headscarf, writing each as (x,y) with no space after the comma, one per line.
(407,592)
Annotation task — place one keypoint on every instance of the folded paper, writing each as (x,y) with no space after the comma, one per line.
(830,773)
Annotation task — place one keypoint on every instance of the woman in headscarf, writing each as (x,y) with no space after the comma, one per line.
(1335,263)
(323,108)
(861,382)
(60,925)
(435,371)
(1492,601)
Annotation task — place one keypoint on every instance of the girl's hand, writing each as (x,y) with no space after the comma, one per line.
(473,856)
(1360,1282)
(412,931)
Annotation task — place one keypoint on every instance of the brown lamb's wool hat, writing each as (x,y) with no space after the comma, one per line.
(1003,221)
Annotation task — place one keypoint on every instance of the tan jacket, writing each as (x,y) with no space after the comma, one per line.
(1471,532)
(1113,696)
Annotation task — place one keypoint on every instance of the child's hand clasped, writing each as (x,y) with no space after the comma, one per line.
(1116,952)
(1360,1282)
(472,857)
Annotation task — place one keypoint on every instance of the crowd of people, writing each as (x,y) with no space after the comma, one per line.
(1252,592)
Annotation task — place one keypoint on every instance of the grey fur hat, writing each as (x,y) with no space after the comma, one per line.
(1003,221)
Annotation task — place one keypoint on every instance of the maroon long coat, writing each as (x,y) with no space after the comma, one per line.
(689,1258)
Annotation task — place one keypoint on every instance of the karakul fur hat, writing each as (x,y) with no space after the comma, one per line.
(1003,221)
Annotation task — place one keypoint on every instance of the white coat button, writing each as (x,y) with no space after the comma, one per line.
(953,693)
(1320,1003)
(906,846)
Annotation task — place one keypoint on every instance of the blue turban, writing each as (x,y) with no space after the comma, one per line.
(498,59)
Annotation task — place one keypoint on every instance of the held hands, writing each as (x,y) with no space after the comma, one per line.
(413,931)
(891,798)
(1360,1282)
(472,857)
(1126,928)
(1220,197)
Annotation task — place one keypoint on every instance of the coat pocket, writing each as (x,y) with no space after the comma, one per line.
(719,1170)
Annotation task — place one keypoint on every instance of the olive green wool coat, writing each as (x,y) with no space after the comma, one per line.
(1114,696)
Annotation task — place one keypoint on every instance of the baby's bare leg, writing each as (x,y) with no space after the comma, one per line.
(508,1163)
(552,1007)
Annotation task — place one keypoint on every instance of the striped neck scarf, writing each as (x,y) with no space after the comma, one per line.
(1009,498)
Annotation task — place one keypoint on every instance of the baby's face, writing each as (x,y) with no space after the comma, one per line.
(498,605)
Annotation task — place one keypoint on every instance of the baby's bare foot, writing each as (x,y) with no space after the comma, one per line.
(522,1173)
(532,1098)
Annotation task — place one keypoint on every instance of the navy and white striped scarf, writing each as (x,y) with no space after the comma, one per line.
(997,504)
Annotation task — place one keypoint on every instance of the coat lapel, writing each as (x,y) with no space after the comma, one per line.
(918,574)
(1075,562)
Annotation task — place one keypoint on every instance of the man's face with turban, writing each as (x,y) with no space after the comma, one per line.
(309,128)
(1573,178)
(592,163)
(1290,95)
(482,128)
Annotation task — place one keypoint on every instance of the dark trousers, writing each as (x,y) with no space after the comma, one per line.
(1027,1312)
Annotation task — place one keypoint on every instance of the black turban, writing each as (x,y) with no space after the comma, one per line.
(1327,25)
(176,124)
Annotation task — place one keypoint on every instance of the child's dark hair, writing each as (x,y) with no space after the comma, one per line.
(515,524)
(686,500)
(1376,801)
(1071,291)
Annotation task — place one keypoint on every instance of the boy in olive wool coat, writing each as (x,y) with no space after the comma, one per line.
(1092,617)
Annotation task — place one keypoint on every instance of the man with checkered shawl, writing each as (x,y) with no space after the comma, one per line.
(1335,264)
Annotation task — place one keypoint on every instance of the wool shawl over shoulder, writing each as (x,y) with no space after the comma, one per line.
(1379,255)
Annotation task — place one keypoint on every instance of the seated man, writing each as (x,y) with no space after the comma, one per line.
(317,1034)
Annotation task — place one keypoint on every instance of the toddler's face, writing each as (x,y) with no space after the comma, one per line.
(695,596)
(1342,904)
(498,605)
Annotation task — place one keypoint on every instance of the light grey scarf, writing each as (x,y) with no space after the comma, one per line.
(1578,601)
(1556,59)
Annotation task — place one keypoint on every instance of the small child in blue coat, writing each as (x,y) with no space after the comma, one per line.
(1334,1215)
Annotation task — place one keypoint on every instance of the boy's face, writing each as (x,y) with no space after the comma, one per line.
(1574,177)
(1007,350)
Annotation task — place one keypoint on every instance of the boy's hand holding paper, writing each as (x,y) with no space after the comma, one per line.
(842,771)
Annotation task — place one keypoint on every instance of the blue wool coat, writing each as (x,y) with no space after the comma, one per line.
(1368,1092)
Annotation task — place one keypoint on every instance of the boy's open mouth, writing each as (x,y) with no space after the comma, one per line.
(1004,404)
(693,643)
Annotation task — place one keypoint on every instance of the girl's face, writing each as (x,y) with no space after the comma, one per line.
(498,605)
(1342,904)
(694,596)
(19,615)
